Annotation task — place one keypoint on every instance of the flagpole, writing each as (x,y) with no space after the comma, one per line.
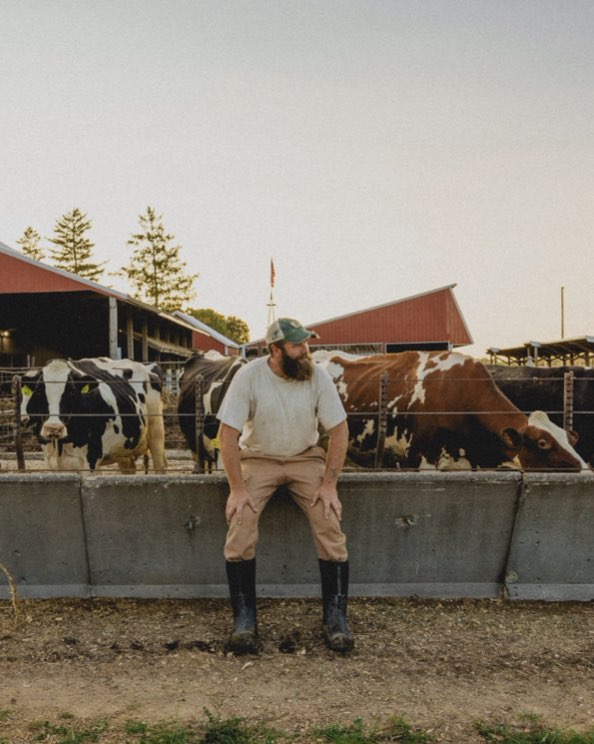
(271,302)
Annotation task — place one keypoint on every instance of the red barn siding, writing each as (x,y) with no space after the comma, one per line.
(202,342)
(425,318)
(18,276)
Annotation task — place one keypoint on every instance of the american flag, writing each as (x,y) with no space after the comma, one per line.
(272,273)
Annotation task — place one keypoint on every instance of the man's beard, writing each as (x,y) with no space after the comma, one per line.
(297,369)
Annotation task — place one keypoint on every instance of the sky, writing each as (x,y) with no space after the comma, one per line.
(373,149)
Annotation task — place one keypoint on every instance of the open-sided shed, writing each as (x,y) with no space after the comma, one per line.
(578,351)
(46,313)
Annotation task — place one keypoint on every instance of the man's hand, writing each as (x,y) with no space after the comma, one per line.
(237,500)
(238,497)
(338,438)
(328,495)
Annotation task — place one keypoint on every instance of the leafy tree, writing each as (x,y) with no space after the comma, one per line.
(156,270)
(213,319)
(74,250)
(230,326)
(29,242)
(237,330)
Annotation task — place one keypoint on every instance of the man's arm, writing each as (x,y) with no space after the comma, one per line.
(238,495)
(338,439)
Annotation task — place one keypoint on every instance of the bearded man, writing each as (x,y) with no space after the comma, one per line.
(268,438)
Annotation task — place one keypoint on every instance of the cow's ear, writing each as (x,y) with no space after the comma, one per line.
(512,438)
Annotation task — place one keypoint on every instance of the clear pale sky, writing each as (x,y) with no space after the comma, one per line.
(375,149)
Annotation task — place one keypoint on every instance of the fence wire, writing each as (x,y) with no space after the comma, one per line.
(175,441)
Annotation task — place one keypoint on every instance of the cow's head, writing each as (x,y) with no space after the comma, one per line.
(51,396)
(542,445)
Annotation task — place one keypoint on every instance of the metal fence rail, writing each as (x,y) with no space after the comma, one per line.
(16,439)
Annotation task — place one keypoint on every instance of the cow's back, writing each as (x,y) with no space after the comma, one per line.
(216,371)
(432,403)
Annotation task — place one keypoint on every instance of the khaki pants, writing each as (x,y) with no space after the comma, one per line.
(302,475)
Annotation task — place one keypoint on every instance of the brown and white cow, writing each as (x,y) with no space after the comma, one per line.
(543,389)
(443,410)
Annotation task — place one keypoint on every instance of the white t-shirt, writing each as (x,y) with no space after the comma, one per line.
(277,416)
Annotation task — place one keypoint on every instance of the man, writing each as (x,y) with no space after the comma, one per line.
(269,437)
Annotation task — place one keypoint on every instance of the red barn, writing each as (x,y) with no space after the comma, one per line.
(431,320)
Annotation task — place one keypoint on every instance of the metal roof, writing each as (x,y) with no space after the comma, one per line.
(532,352)
(204,328)
(98,288)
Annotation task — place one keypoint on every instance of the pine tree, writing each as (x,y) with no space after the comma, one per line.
(156,270)
(74,250)
(29,242)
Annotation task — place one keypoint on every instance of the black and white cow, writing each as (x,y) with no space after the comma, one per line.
(91,412)
(217,372)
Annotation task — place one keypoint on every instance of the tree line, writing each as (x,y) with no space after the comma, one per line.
(155,269)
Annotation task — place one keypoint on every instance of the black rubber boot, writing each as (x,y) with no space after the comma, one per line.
(241,576)
(335,590)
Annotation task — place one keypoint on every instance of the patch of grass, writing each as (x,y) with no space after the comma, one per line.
(531,733)
(161,733)
(71,734)
(216,730)
(237,731)
(397,730)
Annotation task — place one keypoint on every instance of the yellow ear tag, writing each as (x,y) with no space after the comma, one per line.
(85,389)
(26,390)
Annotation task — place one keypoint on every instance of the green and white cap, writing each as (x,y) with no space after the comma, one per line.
(288,329)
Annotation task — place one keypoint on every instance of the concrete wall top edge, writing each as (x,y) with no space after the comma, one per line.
(582,478)
(432,476)
(371,476)
(375,476)
(426,476)
(19,477)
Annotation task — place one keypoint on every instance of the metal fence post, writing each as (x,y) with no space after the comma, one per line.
(568,401)
(199,418)
(381,420)
(18,440)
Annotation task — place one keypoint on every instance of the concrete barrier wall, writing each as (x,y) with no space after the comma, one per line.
(426,534)
(42,539)
(552,551)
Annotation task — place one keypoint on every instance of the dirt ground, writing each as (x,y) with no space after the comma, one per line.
(439,665)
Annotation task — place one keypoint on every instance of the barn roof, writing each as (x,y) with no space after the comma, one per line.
(198,324)
(46,278)
(46,307)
